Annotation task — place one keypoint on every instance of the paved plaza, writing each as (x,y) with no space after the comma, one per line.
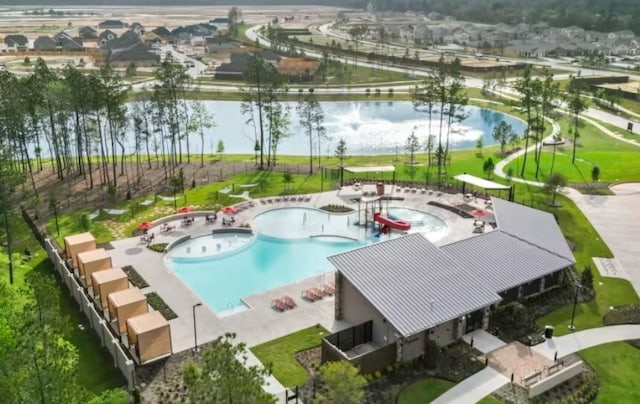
(519,360)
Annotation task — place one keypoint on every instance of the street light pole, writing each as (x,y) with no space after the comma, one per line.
(575,303)
(195,330)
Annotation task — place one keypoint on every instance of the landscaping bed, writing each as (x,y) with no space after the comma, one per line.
(625,314)
(158,247)
(334,208)
(158,304)
(134,277)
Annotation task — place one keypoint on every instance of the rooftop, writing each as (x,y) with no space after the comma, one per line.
(93,255)
(400,275)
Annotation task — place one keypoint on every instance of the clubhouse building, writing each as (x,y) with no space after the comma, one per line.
(400,293)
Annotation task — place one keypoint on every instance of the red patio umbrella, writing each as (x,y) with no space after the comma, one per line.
(145,226)
(479,212)
(185,209)
(228,210)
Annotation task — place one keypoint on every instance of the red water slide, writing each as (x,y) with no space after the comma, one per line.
(394,224)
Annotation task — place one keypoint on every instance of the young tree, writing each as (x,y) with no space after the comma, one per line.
(595,173)
(576,105)
(502,134)
(341,151)
(225,377)
(201,119)
(553,184)
(342,383)
(131,70)
(308,109)
(488,167)
(549,91)
(235,18)
(220,148)
(412,146)
(479,145)
(357,32)
(527,103)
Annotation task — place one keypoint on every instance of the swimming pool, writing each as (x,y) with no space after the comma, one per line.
(288,245)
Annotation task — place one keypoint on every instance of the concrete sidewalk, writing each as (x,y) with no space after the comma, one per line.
(474,388)
(577,341)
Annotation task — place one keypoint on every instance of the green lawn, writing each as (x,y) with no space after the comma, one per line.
(427,390)
(279,353)
(617,366)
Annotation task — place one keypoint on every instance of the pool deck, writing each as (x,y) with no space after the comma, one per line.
(260,323)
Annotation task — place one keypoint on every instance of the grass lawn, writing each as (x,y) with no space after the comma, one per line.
(617,365)
(95,370)
(280,354)
(427,390)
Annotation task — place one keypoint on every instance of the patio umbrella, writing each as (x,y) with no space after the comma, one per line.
(185,209)
(145,226)
(228,210)
(479,212)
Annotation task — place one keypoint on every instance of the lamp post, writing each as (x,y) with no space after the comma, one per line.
(195,330)
(575,303)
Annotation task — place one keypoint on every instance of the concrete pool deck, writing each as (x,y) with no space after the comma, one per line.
(260,323)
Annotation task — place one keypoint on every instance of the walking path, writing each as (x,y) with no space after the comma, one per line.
(577,341)
(488,380)
(474,388)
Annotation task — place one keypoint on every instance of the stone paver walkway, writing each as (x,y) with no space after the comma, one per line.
(519,360)
(474,388)
(577,341)
(483,341)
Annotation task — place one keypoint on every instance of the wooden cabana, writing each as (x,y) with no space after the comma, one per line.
(78,243)
(151,335)
(125,304)
(108,281)
(93,261)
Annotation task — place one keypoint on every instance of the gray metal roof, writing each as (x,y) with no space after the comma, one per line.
(412,283)
(534,226)
(503,261)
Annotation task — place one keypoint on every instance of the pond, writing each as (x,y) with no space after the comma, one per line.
(369,127)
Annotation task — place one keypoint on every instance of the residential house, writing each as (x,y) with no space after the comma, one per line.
(137,28)
(626,34)
(197,40)
(66,43)
(112,24)
(87,33)
(220,23)
(16,42)
(44,43)
(106,36)
(139,54)
(151,38)
(239,63)
(571,31)
(162,32)
(298,69)
(399,294)
(220,44)
(125,41)
(460,36)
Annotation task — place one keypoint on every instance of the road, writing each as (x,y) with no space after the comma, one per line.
(195,71)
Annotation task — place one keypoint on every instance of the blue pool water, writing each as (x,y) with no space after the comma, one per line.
(289,245)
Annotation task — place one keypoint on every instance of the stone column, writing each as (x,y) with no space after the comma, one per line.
(338,298)
(485,318)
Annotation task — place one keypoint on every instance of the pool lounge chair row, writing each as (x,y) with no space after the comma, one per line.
(315,294)
(283,303)
(244,205)
(286,198)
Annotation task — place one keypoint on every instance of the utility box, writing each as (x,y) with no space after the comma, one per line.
(93,261)
(548,332)
(125,304)
(151,335)
(108,281)
(78,243)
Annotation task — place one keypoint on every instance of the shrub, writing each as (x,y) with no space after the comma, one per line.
(595,173)
(587,277)
(389,369)
(134,277)
(158,304)
(85,222)
(377,92)
(377,375)
(391,92)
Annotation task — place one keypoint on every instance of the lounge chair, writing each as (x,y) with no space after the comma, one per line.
(289,302)
(328,289)
(262,202)
(278,304)
(307,198)
(285,198)
(312,294)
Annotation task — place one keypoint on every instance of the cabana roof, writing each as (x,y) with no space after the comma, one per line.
(93,255)
(147,322)
(127,296)
(481,182)
(108,275)
(375,169)
(81,238)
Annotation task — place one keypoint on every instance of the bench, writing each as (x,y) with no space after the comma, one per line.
(532,377)
(555,367)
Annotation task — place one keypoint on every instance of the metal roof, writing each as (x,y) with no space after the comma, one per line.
(480,182)
(412,283)
(503,261)
(534,226)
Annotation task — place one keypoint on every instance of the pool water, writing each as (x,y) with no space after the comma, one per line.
(289,245)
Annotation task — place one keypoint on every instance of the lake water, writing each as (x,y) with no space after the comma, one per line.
(370,127)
